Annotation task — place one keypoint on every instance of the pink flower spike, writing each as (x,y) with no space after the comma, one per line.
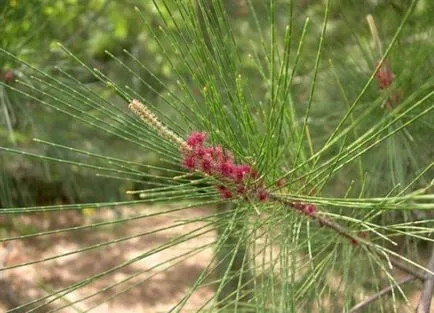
(241,189)
(225,193)
(384,76)
(262,195)
(221,188)
(209,152)
(280,183)
(240,172)
(196,139)
(189,163)
(237,173)
(217,153)
(310,209)
(246,168)
(206,166)
(200,151)
(226,168)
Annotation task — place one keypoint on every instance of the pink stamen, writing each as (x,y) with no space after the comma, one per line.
(217,162)
(384,76)
(225,168)
(262,195)
(206,166)
(196,139)
(189,163)
(280,183)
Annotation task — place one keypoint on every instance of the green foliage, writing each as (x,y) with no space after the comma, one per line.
(89,29)
(300,100)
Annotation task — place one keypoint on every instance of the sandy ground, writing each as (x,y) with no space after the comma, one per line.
(158,289)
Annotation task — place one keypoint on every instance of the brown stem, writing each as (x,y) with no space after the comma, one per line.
(322,220)
(354,239)
(428,288)
(406,269)
(382,292)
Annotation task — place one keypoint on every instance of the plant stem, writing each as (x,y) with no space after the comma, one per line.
(322,220)
(382,292)
(428,288)
(354,239)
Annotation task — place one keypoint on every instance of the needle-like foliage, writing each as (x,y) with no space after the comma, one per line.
(306,147)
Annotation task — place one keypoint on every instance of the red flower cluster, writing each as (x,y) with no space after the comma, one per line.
(384,79)
(7,76)
(384,76)
(237,179)
(305,208)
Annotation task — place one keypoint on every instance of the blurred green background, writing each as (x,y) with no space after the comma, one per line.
(31,30)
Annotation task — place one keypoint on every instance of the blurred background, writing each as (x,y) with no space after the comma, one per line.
(31,30)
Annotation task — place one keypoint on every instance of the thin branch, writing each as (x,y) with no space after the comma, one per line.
(406,269)
(311,211)
(428,288)
(382,292)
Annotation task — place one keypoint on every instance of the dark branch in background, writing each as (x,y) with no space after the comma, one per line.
(427,291)
(382,292)
(407,270)
(428,288)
